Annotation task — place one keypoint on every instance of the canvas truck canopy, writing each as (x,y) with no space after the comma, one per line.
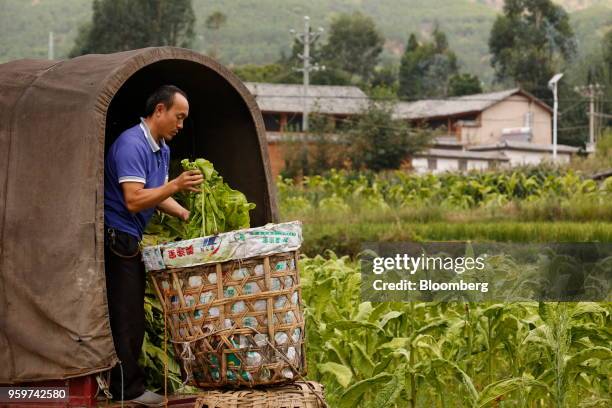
(56,119)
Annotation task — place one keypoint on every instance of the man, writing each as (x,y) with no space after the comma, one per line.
(135,183)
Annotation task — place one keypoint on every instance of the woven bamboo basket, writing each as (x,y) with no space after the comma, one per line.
(236,323)
(296,395)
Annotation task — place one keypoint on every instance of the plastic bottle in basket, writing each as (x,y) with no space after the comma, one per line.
(195,281)
(281,338)
(253,358)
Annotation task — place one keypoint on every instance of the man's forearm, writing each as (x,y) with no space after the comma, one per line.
(145,198)
(171,207)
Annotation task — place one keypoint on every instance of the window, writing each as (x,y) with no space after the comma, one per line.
(432,163)
(272,122)
(462,164)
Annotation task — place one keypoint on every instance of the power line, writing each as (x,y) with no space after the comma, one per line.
(571,107)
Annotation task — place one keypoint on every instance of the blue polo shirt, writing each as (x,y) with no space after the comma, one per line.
(134,156)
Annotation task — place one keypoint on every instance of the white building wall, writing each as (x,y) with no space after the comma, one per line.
(445,164)
(509,113)
(477,164)
(421,165)
(518,157)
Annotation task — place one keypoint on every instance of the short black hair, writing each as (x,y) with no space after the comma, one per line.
(164,94)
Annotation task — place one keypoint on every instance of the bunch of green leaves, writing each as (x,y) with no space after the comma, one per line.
(156,356)
(214,209)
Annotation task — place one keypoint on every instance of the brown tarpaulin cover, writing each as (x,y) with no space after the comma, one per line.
(56,118)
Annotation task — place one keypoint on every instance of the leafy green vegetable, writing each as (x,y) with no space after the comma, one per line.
(216,208)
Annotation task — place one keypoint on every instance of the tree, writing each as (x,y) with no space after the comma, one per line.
(379,142)
(604,76)
(426,67)
(464,84)
(354,45)
(385,76)
(293,61)
(120,25)
(331,75)
(593,67)
(214,22)
(529,42)
(322,149)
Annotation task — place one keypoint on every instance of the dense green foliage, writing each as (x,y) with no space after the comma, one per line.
(529,41)
(426,67)
(342,210)
(442,354)
(348,239)
(354,45)
(378,142)
(464,84)
(120,25)
(25,25)
(216,208)
(450,354)
(452,191)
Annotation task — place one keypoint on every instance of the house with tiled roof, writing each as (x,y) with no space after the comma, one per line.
(512,127)
(282,104)
(481,131)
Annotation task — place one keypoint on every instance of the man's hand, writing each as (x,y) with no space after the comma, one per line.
(171,207)
(189,181)
(184,215)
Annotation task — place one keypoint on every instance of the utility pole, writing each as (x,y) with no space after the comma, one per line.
(51,43)
(307,39)
(591,91)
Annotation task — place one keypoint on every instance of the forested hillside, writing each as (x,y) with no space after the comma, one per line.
(258,31)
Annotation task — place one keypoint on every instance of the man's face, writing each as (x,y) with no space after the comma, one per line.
(168,122)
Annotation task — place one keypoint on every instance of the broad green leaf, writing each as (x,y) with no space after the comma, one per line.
(362,361)
(574,361)
(389,316)
(547,312)
(388,394)
(499,388)
(396,343)
(365,309)
(493,310)
(352,324)
(353,394)
(342,373)
(465,378)
(430,327)
(587,308)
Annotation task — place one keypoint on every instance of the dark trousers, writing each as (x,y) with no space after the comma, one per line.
(125,285)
